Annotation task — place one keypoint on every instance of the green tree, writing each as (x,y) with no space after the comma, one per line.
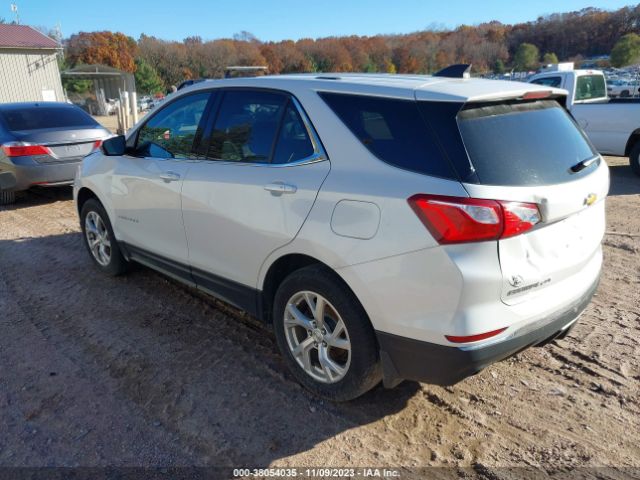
(147,79)
(549,57)
(527,57)
(626,51)
(498,67)
(71,85)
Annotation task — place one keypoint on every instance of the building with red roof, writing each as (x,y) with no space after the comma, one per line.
(28,65)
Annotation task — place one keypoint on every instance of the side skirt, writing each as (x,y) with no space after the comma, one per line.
(240,296)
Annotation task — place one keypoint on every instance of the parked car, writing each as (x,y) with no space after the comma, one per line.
(612,125)
(112,105)
(42,144)
(389,227)
(144,103)
(622,88)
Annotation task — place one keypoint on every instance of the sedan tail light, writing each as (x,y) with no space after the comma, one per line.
(19,149)
(460,220)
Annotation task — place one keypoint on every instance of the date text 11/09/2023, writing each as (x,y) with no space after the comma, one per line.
(316,472)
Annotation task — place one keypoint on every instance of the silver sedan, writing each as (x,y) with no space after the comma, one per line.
(42,144)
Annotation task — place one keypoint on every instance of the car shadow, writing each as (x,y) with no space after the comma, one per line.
(623,181)
(40,196)
(163,365)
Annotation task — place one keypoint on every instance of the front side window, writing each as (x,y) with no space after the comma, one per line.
(589,87)
(170,133)
(246,126)
(554,82)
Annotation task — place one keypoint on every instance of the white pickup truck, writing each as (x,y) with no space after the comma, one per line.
(612,125)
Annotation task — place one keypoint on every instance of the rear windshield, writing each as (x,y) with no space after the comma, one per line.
(40,117)
(515,144)
(590,86)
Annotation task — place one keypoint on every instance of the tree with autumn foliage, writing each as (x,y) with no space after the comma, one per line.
(491,46)
(102,48)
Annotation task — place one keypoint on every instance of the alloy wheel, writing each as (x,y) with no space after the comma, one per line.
(98,238)
(317,337)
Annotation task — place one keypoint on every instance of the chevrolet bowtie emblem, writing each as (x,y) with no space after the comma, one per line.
(591,199)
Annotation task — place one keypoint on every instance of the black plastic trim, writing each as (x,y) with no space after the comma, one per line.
(237,294)
(459,70)
(408,359)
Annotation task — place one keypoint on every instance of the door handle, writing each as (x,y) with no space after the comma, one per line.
(169,176)
(279,188)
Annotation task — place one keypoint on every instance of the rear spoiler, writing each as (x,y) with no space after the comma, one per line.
(559,97)
(459,70)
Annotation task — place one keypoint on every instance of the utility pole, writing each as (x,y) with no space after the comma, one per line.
(14,9)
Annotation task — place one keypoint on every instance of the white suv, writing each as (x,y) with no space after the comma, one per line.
(389,227)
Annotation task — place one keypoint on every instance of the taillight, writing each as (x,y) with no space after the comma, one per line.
(461,219)
(96,145)
(519,217)
(536,95)
(23,149)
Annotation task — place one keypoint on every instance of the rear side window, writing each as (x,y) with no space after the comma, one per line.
(293,140)
(521,144)
(590,86)
(549,81)
(42,117)
(393,130)
(246,126)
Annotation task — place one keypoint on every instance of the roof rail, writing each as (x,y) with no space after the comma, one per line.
(459,70)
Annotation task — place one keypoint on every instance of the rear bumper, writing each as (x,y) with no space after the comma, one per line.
(408,359)
(27,173)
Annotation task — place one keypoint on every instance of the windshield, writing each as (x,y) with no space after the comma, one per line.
(521,144)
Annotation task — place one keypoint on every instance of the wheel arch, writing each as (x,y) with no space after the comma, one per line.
(280,269)
(633,139)
(84,194)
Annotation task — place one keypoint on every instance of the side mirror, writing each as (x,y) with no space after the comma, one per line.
(114,146)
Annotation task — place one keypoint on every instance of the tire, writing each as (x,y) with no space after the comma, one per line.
(358,366)
(624,93)
(634,158)
(106,254)
(7,198)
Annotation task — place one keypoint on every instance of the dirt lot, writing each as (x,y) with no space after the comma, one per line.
(138,370)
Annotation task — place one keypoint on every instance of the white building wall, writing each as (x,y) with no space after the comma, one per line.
(29,76)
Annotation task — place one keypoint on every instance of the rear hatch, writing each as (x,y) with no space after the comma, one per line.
(533,152)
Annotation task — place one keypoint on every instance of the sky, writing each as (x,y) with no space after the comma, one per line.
(279,19)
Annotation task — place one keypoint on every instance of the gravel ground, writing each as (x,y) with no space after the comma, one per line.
(140,371)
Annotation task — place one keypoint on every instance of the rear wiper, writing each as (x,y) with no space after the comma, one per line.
(584,164)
